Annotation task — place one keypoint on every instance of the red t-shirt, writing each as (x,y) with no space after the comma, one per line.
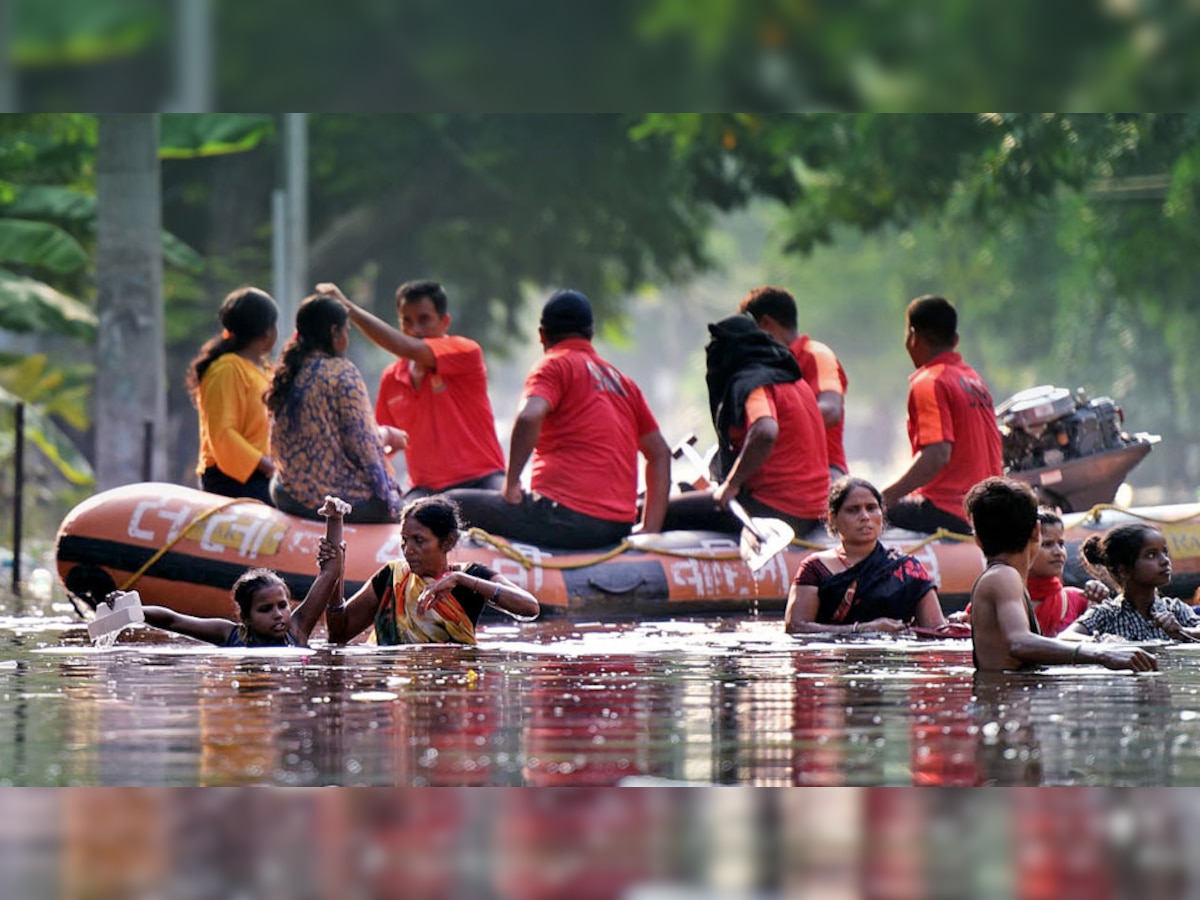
(586,454)
(795,478)
(823,372)
(451,430)
(948,401)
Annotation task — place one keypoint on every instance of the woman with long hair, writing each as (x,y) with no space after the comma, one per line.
(324,439)
(226,381)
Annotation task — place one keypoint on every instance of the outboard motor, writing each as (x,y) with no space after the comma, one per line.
(1071,449)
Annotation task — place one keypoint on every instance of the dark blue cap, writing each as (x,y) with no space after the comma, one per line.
(567,312)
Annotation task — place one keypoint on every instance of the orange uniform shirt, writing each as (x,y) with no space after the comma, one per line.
(586,454)
(948,401)
(823,371)
(234,427)
(795,477)
(448,417)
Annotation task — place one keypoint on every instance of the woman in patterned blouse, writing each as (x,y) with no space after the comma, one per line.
(1137,557)
(324,439)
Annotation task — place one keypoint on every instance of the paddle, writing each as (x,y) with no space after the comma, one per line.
(762,538)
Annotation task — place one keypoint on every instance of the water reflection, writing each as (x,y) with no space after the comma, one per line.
(561,704)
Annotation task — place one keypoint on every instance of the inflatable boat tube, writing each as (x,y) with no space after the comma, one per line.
(183,549)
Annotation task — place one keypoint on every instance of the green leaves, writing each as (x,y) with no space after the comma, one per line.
(39,245)
(188,136)
(28,305)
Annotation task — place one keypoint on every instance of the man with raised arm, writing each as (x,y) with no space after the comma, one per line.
(433,401)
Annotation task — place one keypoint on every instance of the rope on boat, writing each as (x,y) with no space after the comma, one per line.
(166,548)
(1094,515)
(507,549)
(940,535)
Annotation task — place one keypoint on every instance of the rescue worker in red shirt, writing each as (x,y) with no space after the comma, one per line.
(951,426)
(433,401)
(771,439)
(583,423)
(774,311)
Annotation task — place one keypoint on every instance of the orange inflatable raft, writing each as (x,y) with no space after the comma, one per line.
(183,548)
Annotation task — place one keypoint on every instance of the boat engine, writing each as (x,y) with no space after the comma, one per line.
(1073,450)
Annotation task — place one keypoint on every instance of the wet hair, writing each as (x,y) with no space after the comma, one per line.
(439,515)
(245,315)
(771,301)
(1004,514)
(414,291)
(1049,517)
(1118,548)
(840,490)
(316,319)
(250,583)
(935,319)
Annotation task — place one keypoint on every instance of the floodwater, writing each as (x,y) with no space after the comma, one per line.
(717,701)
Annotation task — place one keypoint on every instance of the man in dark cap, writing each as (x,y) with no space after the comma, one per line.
(583,422)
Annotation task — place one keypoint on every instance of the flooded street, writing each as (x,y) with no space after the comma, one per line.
(717,701)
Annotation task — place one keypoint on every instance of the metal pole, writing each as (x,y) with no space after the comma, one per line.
(8,77)
(148,450)
(295,133)
(279,263)
(18,495)
(194,27)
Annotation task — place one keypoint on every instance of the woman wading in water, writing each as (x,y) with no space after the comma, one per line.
(860,585)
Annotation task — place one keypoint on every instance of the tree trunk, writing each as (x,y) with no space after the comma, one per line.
(130,368)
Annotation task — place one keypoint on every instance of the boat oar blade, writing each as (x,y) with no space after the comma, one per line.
(762,538)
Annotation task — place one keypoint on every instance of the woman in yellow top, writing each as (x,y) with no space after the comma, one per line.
(227,380)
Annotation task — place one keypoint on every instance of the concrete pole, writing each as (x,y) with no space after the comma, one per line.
(130,388)
(194,88)
(292,279)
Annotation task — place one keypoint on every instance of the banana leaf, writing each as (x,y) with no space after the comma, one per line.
(41,245)
(74,32)
(191,135)
(50,440)
(27,305)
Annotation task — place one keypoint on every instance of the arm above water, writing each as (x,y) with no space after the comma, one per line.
(496,591)
(212,631)
(326,588)
(1002,591)
(800,616)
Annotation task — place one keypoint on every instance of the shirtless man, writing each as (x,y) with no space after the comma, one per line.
(1004,632)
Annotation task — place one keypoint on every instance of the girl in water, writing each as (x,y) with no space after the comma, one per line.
(422,598)
(266,617)
(226,382)
(1136,556)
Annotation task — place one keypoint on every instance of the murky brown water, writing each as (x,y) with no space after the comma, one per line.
(718,701)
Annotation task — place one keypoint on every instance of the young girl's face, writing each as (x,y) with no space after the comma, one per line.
(1052,553)
(1152,568)
(270,612)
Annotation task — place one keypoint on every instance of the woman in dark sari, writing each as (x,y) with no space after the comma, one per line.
(860,585)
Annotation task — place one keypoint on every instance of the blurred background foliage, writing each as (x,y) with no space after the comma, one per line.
(1067,240)
(765,55)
